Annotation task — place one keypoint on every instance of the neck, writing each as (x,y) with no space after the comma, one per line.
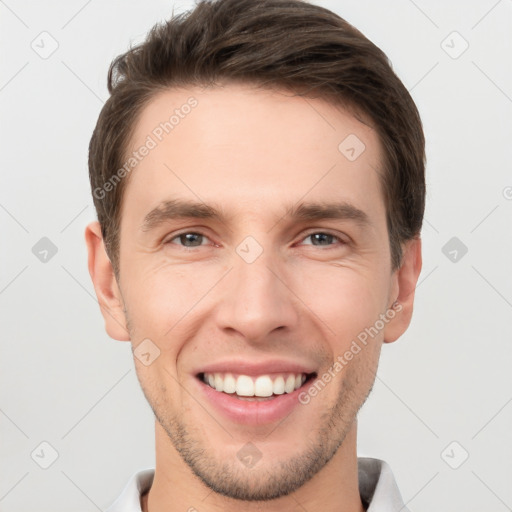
(176,488)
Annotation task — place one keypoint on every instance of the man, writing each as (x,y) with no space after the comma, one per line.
(258,174)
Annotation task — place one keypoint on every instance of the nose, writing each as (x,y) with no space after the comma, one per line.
(257,299)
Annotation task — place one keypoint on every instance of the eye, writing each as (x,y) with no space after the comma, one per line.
(189,239)
(322,239)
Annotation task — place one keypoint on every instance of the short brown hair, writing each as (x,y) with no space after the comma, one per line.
(281,44)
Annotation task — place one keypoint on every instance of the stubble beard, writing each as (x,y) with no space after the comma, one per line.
(232,479)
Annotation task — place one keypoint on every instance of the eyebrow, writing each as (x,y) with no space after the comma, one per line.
(185,209)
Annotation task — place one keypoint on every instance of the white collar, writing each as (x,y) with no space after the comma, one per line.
(377,487)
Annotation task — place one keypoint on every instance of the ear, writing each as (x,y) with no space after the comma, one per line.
(404,285)
(105,284)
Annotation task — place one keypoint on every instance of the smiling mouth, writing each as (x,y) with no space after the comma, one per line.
(260,388)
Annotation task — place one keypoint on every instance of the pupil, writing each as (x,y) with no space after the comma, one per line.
(193,238)
(322,237)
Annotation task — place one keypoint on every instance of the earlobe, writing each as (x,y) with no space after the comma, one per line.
(105,284)
(406,278)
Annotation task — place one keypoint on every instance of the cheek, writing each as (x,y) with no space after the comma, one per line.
(161,295)
(346,300)
(164,300)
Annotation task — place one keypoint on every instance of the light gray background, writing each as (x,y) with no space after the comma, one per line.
(63,381)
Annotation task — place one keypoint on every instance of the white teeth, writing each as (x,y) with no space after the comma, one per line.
(229,383)
(261,386)
(289,385)
(244,386)
(279,386)
(219,382)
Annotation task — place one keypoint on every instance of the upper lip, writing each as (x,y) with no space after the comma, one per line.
(252,368)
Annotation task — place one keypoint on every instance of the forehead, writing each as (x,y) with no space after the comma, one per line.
(252,149)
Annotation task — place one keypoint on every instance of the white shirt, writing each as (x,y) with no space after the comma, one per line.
(377,487)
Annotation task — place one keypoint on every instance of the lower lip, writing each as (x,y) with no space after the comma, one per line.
(253,412)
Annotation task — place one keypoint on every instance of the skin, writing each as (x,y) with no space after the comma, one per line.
(253,154)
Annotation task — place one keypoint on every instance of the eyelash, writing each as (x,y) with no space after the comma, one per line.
(339,239)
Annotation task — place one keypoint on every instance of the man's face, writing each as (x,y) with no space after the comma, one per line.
(257,291)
